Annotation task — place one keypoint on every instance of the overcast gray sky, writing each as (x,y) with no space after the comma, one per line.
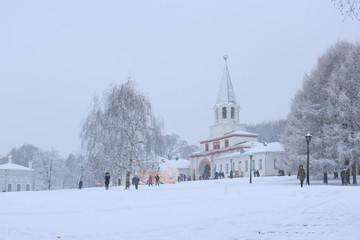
(56,55)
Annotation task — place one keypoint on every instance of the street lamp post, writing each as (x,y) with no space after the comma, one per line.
(308,139)
(231,171)
(251,156)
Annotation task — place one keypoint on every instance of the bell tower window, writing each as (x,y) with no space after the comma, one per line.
(232,112)
(224,113)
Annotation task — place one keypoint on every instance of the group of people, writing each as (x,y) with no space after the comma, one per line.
(135,180)
(150,180)
(219,175)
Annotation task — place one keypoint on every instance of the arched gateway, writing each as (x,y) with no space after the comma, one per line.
(205,169)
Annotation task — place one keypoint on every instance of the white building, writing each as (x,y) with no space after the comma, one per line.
(230,146)
(15,177)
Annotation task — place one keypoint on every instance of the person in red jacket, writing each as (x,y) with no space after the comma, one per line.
(150,180)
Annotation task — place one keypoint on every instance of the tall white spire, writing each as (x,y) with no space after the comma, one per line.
(226,92)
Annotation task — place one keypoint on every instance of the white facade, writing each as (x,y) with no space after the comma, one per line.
(15,177)
(229,146)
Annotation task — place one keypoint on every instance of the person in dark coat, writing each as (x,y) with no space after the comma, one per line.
(136,180)
(107,180)
(301,175)
(157,180)
(80,184)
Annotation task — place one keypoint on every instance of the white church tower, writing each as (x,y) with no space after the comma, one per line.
(226,109)
(229,147)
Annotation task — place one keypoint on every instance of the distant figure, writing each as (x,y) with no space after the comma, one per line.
(157,180)
(257,173)
(80,184)
(342,175)
(136,180)
(107,180)
(150,181)
(301,175)
(178,179)
(119,182)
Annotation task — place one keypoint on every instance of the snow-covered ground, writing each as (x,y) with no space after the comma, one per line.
(269,208)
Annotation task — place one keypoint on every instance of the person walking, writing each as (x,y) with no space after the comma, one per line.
(150,181)
(107,180)
(157,180)
(80,184)
(301,175)
(136,180)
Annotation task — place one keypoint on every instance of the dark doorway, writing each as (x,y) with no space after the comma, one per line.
(206,174)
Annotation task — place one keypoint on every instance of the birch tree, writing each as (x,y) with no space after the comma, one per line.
(121,133)
(49,169)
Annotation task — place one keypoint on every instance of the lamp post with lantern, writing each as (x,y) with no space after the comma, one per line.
(251,156)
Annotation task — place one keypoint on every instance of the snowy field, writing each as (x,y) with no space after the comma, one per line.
(269,208)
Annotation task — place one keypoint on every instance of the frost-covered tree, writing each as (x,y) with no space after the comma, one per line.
(328,107)
(49,169)
(187,149)
(172,146)
(76,170)
(268,131)
(22,155)
(121,133)
(348,8)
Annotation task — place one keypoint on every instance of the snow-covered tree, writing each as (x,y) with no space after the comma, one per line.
(120,134)
(49,169)
(76,170)
(348,8)
(172,146)
(22,155)
(268,131)
(328,107)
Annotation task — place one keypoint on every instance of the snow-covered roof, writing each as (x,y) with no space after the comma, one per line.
(241,133)
(265,147)
(13,166)
(179,163)
(226,92)
(257,147)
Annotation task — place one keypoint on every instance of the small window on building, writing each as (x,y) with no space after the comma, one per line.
(260,164)
(226,142)
(224,113)
(233,166)
(275,163)
(9,189)
(216,145)
(227,168)
(18,188)
(206,147)
(221,168)
(232,112)
(239,167)
(246,166)
(27,187)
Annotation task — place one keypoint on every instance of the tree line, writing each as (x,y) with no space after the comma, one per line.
(119,135)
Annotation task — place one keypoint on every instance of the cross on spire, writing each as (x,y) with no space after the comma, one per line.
(226,57)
